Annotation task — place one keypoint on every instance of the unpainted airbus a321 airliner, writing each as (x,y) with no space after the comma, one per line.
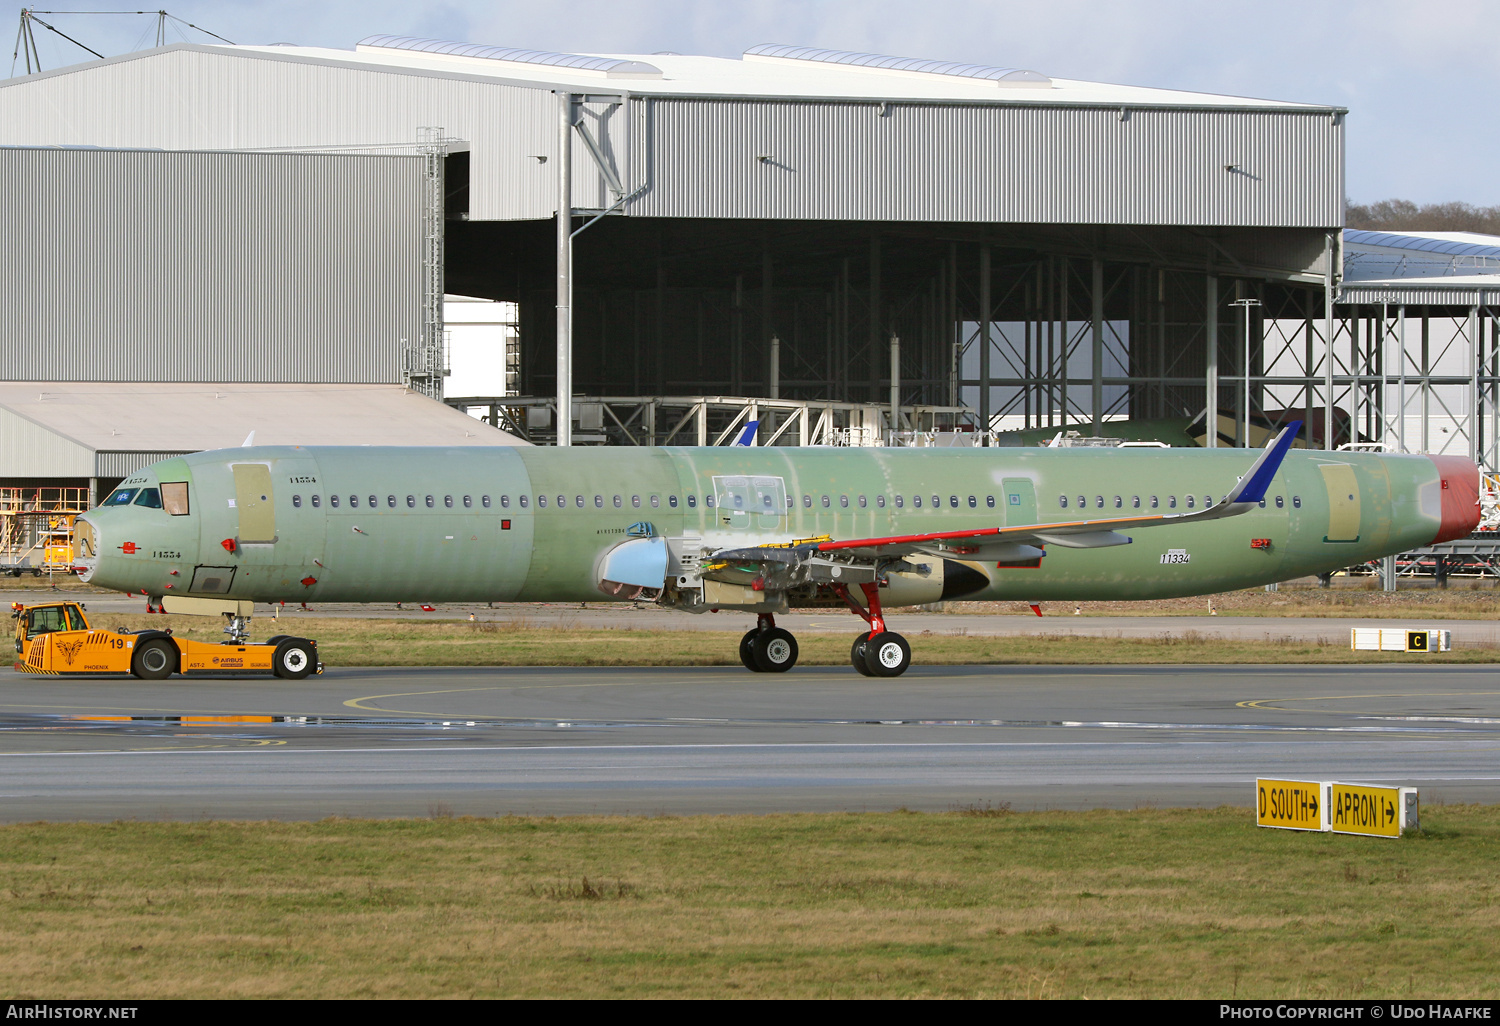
(761,529)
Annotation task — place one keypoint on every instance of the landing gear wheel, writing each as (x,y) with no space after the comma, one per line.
(154,660)
(747,650)
(887,655)
(775,650)
(294,659)
(857,656)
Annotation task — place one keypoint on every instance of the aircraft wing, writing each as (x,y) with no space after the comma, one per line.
(1025,541)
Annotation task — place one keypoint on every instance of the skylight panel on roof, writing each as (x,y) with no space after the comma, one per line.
(607,67)
(1011,77)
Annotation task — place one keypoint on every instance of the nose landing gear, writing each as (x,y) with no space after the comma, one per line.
(768,648)
(878,653)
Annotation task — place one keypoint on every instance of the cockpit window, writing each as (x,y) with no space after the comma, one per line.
(174,496)
(149,497)
(120,497)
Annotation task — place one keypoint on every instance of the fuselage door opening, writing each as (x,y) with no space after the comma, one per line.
(254,502)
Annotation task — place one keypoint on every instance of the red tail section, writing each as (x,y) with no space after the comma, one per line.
(1460,493)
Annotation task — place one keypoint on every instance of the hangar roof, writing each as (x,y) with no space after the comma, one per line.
(97,429)
(761,72)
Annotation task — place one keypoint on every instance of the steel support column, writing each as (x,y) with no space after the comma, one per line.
(565,269)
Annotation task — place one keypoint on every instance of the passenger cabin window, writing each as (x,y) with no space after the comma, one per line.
(656,501)
(1082,501)
(827,502)
(844,501)
(672,501)
(989,500)
(354,502)
(317,500)
(937,502)
(618,502)
(578,497)
(333,500)
(469,501)
(880,501)
(862,502)
(1099,501)
(953,501)
(1171,502)
(174,496)
(523,500)
(429,501)
(899,502)
(1135,502)
(120,497)
(807,502)
(484,500)
(635,502)
(505,502)
(973,502)
(1280,502)
(411,502)
(1296,502)
(390,501)
(916,501)
(541,501)
(598,502)
(1190,502)
(297,501)
(1119,502)
(150,498)
(1062,501)
(708,500)
(1153,502)
(692,502)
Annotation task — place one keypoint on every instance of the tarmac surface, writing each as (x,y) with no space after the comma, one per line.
(481,741)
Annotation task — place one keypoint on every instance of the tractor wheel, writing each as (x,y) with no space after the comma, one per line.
(294,659)
(154,660)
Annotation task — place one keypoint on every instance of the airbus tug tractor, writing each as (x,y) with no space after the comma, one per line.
(55,638)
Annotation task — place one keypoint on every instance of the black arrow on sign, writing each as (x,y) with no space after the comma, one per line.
(1390,811)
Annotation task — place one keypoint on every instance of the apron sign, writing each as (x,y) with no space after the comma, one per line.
(1372,811)
(1323,805)
(1291,804)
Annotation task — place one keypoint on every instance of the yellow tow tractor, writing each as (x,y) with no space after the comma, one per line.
(55,638)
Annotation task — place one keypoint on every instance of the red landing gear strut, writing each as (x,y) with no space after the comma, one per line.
(879,652)
(768,648)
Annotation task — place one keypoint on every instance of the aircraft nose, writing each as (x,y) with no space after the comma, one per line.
(1460,495)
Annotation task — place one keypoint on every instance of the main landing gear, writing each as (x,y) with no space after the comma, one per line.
(768,648)
(879,652)
(876,653)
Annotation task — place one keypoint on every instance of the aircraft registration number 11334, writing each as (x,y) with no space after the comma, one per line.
(1176,556)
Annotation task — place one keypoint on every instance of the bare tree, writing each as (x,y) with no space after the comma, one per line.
(1398,215)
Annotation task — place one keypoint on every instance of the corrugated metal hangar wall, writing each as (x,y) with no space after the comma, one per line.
(129,265)
(828,208)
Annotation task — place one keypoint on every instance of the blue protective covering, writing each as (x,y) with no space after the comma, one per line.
(640,563)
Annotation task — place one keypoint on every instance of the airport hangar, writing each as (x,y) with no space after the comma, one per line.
(849,248)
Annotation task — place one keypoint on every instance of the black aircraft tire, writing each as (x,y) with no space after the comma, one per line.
(775,650)
(857,656)
(887,655)
(747,650)
(154,660)
(294,659)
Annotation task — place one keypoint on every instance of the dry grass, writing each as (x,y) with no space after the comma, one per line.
(975,903)
(369,642)
(1357,597)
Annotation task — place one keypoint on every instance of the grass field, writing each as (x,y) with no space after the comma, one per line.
(368,642)
(973,903)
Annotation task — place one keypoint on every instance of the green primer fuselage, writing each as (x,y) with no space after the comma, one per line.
(412,524)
